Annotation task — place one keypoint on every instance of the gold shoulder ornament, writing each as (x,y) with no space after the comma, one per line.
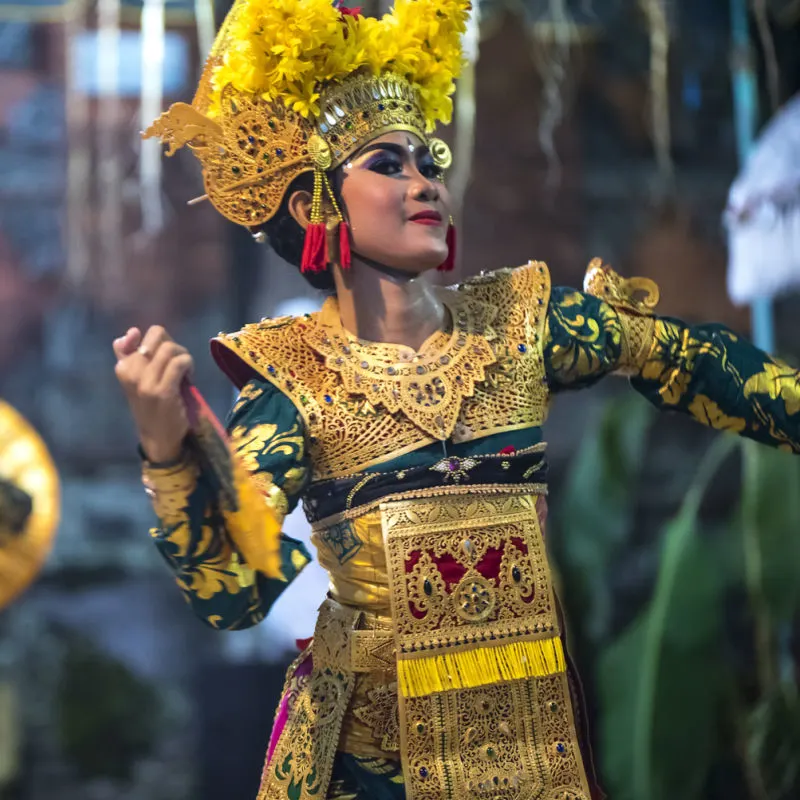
(635,300)
(639,295)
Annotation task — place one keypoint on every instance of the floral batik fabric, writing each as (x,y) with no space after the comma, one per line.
(191,535)
(705,371)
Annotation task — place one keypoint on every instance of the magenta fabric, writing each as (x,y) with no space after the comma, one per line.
(302,669)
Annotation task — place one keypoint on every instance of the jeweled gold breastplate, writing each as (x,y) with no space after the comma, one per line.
(364,403)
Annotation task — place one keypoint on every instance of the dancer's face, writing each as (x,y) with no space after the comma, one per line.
(396,203)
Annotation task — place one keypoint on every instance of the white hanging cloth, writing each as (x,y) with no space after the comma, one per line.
(763,213)
(206,27)
(153,31)
(109,167)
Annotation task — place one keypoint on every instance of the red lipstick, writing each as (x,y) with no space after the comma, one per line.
(427,218)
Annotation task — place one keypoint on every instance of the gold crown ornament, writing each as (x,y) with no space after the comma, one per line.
(294,86)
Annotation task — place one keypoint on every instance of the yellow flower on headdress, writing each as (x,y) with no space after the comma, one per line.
(289,50)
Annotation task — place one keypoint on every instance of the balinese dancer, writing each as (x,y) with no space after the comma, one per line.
(407,418)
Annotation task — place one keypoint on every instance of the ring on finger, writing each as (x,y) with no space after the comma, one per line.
(144,350)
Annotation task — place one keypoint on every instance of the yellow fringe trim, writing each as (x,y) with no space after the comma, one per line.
(254,528)
(466,669)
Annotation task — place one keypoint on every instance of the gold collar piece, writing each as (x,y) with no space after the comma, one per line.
(428,386)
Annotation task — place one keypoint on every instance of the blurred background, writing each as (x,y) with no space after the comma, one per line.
(611,128)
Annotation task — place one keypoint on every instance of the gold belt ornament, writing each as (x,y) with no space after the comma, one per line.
(352,640)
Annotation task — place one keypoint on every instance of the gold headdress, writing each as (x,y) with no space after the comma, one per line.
(293,86)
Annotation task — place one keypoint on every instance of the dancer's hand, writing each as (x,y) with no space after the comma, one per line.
(151,369)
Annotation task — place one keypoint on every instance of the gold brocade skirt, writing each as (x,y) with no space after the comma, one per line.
(466,680)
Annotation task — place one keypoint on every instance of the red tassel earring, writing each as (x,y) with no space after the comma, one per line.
(344,245)
(315,246)
(315,257)
(343,229)
(449,263)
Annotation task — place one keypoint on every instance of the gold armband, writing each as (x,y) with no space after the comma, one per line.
(635,300)
(169,487)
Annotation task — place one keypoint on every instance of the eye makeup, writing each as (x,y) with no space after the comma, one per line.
(390,153)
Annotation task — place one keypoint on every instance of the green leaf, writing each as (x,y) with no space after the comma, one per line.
(660,682)
(108,718)
(663,715)
(594,515)
(771,510)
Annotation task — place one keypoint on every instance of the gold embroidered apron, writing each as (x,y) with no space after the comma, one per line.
(485,708)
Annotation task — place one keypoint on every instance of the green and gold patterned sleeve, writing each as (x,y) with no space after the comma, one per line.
(705,371)
(192,536)
(722,381)
(583,340)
